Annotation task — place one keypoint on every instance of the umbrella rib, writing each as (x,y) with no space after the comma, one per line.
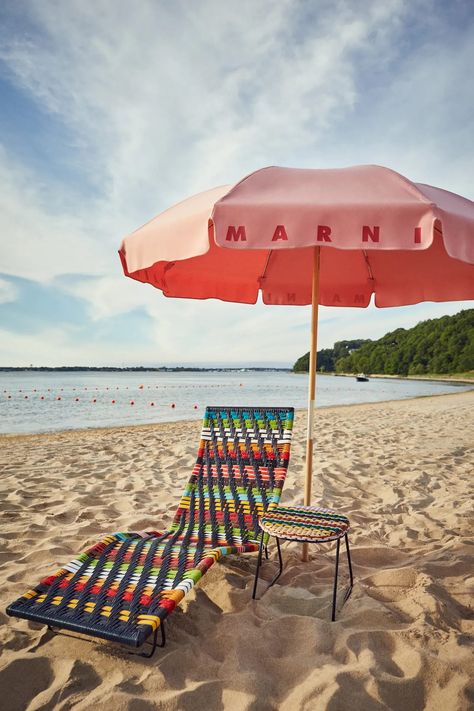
(367,263)
(262,277)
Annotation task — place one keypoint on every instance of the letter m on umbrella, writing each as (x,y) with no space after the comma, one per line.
(236,233)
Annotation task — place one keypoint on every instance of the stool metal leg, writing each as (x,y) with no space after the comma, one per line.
(349,562)
(333,616)
(259,562)
(280,560)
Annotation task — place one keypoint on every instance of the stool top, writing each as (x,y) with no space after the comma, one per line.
(311,524)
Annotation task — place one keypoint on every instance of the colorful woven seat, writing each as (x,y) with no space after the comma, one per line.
(123,588)
(311,524)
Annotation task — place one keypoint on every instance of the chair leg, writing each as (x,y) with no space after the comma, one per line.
(259,562)
(155,644)
(349,562)
(163,634)
(334,594)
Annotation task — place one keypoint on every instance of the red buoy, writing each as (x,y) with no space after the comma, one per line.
(173,404)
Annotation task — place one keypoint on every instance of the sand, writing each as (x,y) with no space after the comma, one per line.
(400,470)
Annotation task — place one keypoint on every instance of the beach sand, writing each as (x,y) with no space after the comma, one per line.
(401,471)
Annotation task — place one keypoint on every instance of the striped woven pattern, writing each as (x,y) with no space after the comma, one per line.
(123,587)
(305,523)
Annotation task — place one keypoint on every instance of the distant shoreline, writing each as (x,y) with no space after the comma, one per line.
(140,369)
(441,378)
(462,379)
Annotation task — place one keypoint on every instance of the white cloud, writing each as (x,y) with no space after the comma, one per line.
(109,296)
(8,292)
(36,242)
(55,347)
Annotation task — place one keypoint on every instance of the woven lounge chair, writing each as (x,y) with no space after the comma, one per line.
(124,587)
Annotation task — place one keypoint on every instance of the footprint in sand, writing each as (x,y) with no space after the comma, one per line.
(391,584)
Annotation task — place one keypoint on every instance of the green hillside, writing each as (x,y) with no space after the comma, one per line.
(328,357)
(442,346)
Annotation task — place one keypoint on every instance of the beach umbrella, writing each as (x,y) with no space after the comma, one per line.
(336,237)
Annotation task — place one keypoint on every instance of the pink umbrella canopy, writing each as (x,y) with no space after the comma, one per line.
(299,236)
(379,234)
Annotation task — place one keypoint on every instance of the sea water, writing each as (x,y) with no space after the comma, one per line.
(43,402)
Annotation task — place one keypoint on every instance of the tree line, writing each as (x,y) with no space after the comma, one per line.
(438,346)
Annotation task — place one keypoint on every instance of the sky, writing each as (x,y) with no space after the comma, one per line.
(112,111)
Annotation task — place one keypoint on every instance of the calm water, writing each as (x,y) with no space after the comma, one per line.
(44,402)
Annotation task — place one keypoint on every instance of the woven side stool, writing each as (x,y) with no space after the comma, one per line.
(308,524)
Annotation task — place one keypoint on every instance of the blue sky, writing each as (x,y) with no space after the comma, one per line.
(111,111)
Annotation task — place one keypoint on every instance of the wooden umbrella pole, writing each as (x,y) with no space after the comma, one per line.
(312,385)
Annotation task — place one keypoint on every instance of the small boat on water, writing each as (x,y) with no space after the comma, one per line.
(362,378)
